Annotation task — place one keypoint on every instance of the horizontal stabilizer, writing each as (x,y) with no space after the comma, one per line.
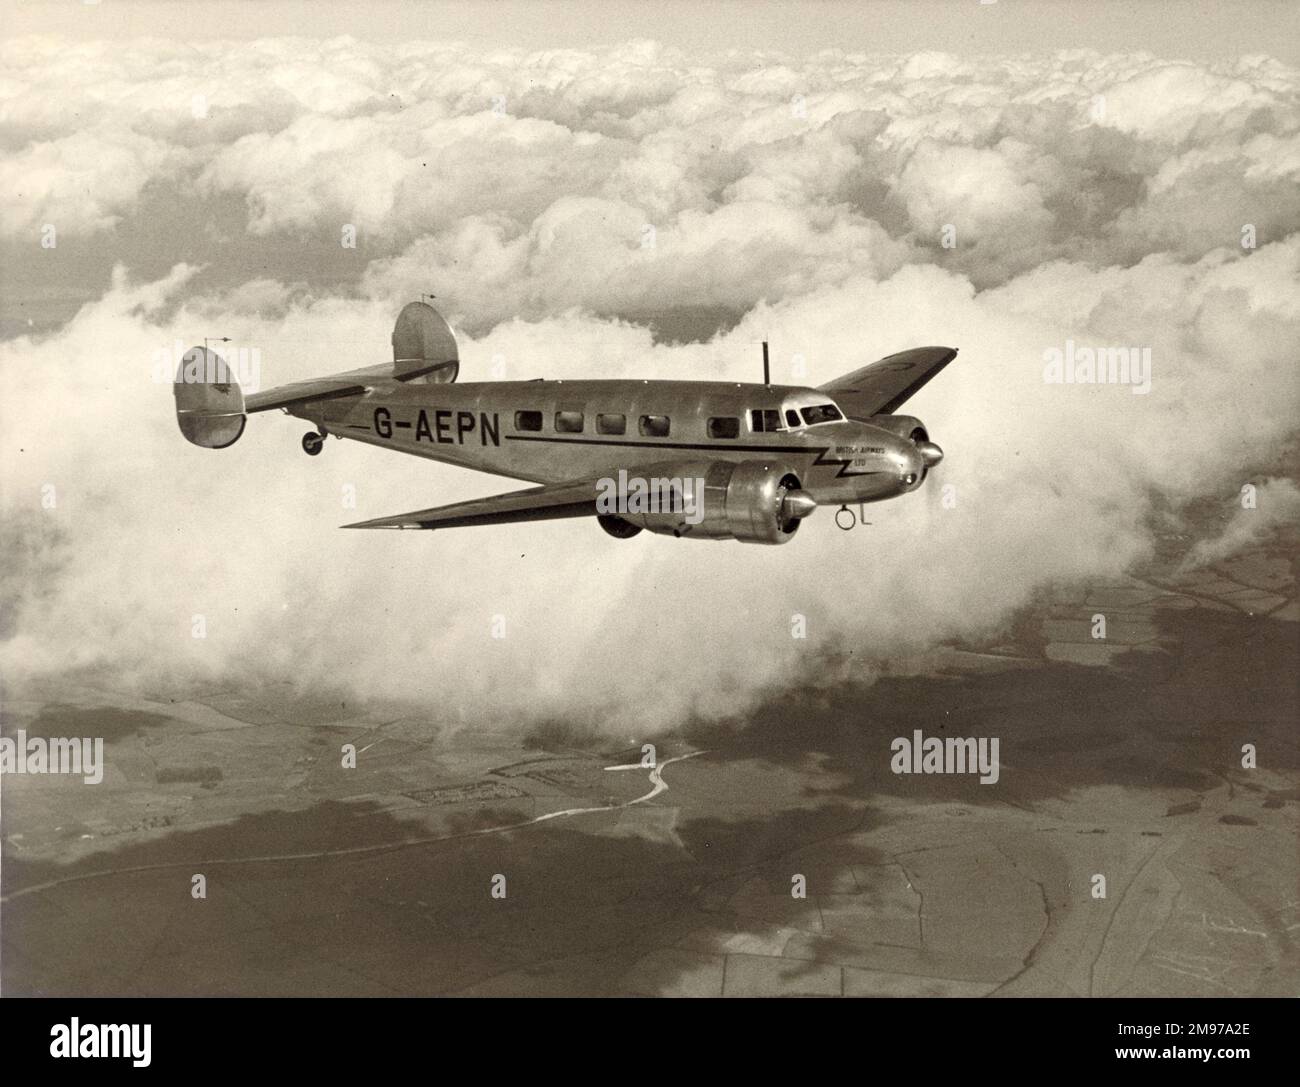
(424,350)
(324,388)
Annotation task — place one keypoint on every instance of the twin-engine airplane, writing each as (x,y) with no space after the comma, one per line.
(761,457)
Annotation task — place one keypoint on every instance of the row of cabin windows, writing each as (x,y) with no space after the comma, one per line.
(657,426)
(572,422)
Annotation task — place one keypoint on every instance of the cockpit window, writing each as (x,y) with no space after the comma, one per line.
(821,413)
(791,417)
(763,420)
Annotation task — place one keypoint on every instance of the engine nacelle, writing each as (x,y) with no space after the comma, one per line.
(905,426)
(911,428)
(751,501)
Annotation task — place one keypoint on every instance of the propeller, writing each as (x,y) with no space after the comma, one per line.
(796,504)
(930,453)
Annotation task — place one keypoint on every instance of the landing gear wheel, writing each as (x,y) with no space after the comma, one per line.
(616,526)
(312,443)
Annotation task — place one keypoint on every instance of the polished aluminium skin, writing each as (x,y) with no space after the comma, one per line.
(764,456)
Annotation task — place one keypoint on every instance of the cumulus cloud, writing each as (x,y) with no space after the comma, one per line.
(80,183)
(561,203)
(1028,158)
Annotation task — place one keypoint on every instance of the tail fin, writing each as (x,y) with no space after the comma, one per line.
(424,347)
(209,401)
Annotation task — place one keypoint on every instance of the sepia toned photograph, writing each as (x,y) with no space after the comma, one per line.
(523,499)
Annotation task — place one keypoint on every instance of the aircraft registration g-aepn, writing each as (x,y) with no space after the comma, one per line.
(733,461)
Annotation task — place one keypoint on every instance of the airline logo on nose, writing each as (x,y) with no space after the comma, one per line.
(856,456)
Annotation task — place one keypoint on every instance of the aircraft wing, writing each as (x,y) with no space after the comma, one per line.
(548,502)
(882,387)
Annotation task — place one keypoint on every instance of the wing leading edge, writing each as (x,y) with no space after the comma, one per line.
(884,386)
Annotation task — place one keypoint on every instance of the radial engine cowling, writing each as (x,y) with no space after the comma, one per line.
(751,501)
(911,428)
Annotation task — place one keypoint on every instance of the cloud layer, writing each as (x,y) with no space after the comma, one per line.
(558,201)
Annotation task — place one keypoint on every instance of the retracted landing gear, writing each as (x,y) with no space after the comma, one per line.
(312,443)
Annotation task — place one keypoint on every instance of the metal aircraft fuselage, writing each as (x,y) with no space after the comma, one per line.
(707,460)
(554,431)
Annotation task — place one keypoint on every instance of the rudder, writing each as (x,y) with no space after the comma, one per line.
(209,401)
(424,346)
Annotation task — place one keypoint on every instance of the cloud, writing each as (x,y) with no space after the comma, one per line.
(1275,503)
(1109,157)
(81,183)
(984,189)
(560,203)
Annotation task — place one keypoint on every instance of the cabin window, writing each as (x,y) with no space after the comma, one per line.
(726,426)
(822,413)
(654,426)
(611,424)
(791,417)
(528,420)
(764,419)
(568,422)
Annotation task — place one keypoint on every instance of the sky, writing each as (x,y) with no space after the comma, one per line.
(654,203)
(1198,29)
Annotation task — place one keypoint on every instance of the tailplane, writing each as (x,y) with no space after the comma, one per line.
(211,408)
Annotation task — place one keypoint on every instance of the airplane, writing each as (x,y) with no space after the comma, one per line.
(726,460)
